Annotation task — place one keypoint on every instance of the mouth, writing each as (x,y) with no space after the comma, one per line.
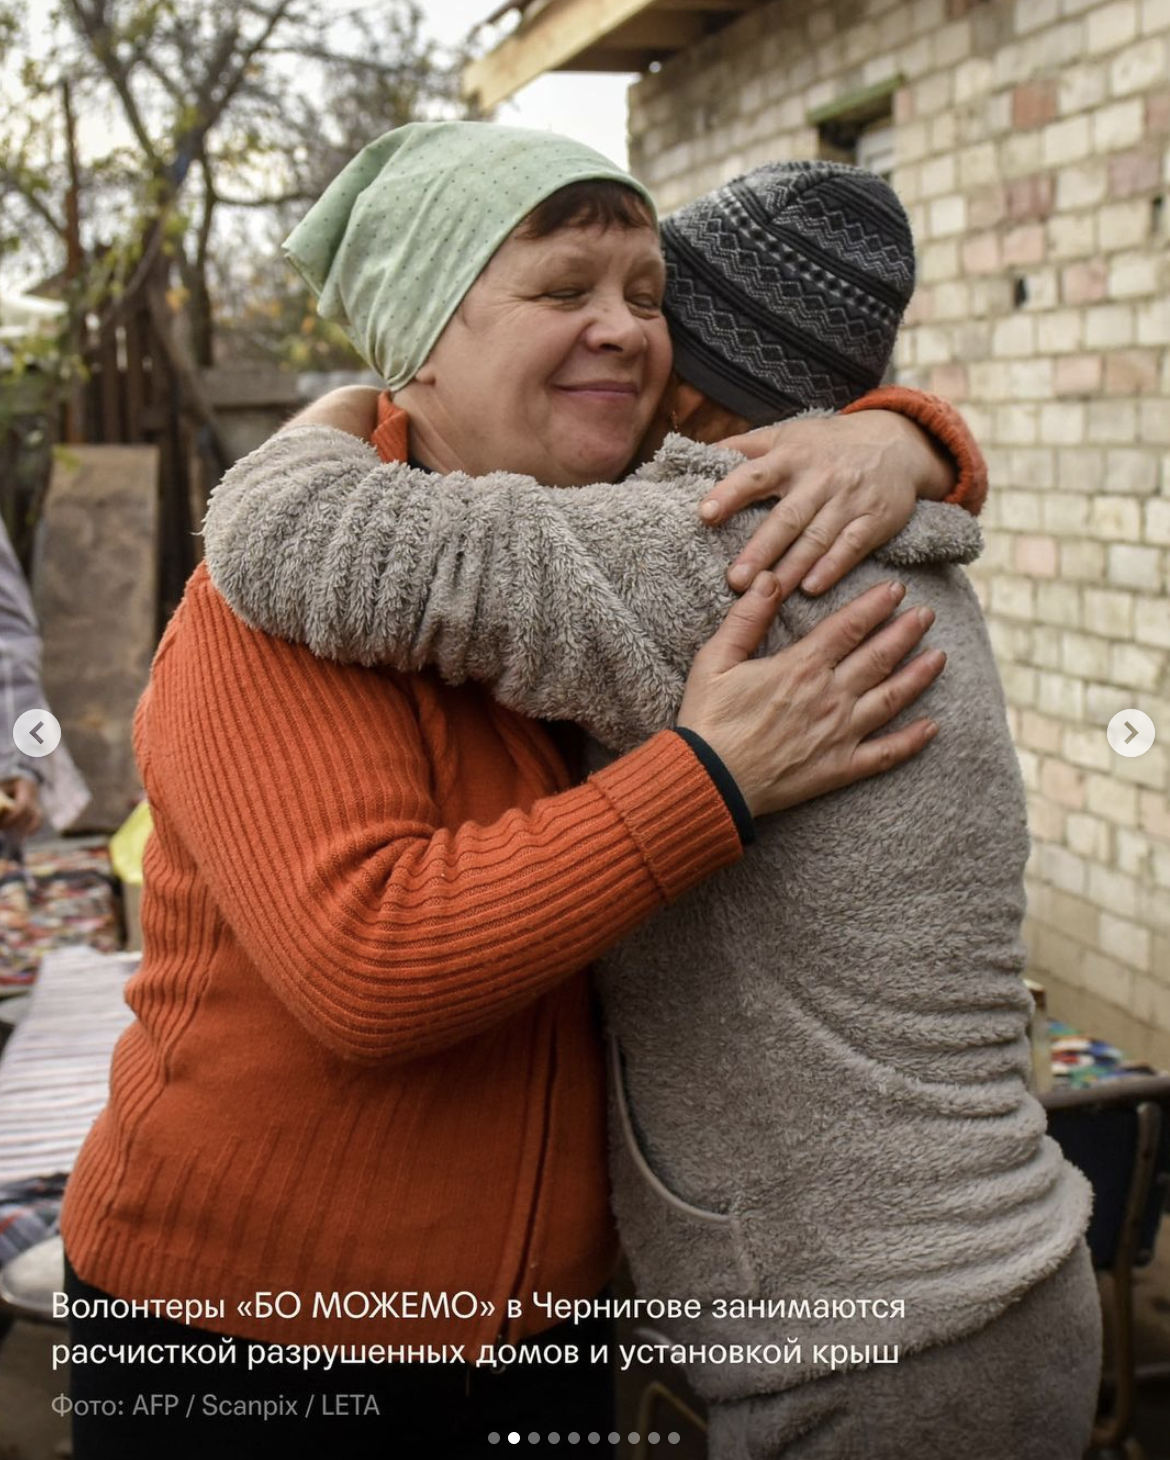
(602,391)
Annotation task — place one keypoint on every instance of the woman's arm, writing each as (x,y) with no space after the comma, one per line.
(303,792)
(847,483)
(844,482)
(587,604)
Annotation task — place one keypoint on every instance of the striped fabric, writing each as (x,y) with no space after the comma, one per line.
(54,1074)
(29,1212)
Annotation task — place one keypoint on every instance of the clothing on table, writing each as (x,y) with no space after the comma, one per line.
(364,1052)
(55,1071)
(29,1212)
(52,897)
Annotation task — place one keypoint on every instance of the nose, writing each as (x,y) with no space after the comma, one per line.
(615,326)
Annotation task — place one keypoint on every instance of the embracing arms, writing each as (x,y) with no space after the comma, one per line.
(586,604)
(845,484)
(305,795)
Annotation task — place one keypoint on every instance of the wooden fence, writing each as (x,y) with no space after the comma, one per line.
(133,396)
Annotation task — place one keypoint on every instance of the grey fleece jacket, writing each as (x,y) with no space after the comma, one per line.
(818,1058)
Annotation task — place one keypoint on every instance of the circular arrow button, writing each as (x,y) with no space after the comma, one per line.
(1131,732)
(36,732)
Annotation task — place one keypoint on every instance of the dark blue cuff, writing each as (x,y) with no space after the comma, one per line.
(724,784)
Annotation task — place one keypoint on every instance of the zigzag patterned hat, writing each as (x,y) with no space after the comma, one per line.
(785,287)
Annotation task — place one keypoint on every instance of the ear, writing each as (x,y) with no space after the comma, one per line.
(688,401)
(711,422)
(662,422)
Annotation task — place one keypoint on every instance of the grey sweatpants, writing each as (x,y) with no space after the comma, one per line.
(1023,1388)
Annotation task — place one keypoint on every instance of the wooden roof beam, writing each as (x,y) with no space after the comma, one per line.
(613,60)
(723,7)
(657,31)
(553,39)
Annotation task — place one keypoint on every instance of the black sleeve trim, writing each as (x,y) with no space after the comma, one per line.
(724,783)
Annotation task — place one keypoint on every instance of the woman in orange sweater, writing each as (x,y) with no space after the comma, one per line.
(361,1104)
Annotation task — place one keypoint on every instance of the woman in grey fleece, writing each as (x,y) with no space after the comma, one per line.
(818,1061)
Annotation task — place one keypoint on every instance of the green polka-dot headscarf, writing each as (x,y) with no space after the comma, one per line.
(401,234)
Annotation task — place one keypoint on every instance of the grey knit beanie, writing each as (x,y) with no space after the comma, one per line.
(785,287)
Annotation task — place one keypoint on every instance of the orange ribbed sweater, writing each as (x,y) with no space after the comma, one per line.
(364,1057)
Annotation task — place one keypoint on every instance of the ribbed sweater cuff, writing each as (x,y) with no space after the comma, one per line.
(942,421)
(725,784)
(674,812)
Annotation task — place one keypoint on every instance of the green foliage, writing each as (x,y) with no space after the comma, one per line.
(9,31)
(280,326)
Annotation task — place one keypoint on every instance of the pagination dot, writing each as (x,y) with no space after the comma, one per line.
(514,1437)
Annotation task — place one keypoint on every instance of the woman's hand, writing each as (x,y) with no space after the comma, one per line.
(795,725)
(350,408)
(849,484)
(22,815)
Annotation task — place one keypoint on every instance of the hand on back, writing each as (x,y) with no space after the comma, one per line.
(847,484)
(796,724)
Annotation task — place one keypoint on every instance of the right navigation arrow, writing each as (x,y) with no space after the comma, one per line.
(1132,732)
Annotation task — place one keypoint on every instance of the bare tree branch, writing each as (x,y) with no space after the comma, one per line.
(203,238)
(246,58)
(282,200)
(150,65)
(11,182)
(392,69)
(94,26)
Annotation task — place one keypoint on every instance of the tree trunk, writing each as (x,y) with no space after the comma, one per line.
(202,320)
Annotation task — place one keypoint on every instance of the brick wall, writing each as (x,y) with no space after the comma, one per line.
(1032,155)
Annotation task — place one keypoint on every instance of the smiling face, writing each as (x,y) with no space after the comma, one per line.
(554,362)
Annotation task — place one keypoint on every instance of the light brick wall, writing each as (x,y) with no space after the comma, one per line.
(1032,156)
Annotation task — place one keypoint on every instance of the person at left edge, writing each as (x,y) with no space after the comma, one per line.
(35,786)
